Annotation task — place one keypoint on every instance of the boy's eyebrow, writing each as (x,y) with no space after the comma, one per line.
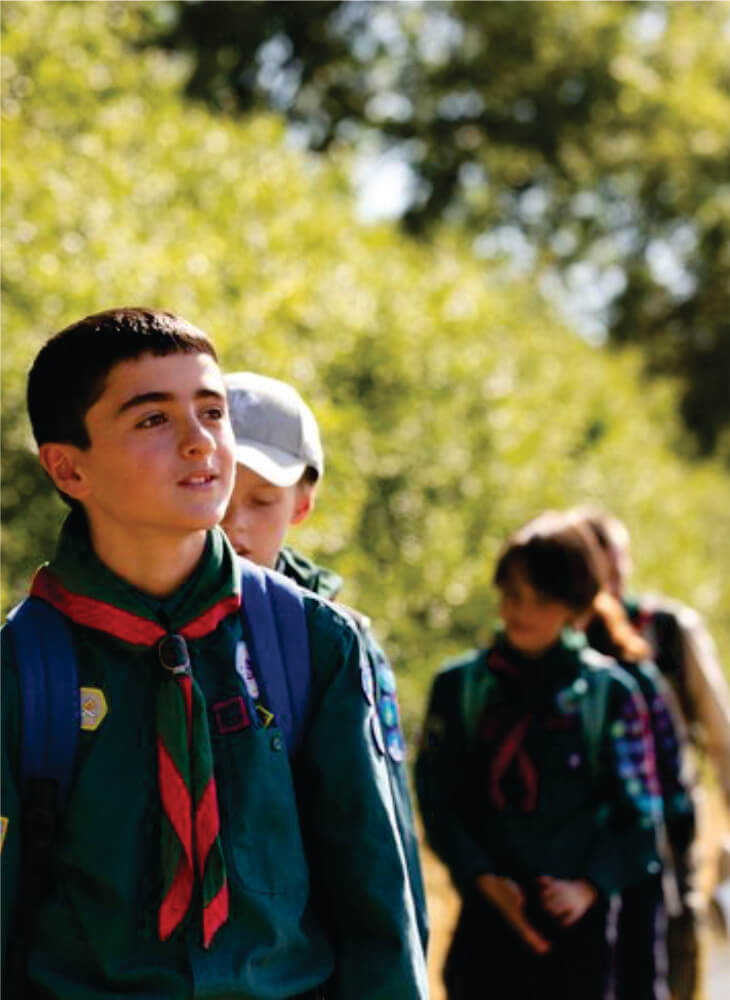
(143,398)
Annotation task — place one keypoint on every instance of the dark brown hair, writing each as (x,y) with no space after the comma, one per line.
(69,373)
(558,556)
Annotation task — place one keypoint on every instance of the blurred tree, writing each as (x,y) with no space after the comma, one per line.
(587,140)
(452,406)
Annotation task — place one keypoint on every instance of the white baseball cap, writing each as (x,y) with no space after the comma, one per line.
(275,431)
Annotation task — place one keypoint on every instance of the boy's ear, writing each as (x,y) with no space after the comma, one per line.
(60,462)
(305,502)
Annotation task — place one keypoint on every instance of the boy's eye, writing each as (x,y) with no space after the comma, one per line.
(214,413)
(151,420)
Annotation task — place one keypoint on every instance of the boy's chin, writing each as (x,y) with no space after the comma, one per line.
(193,525)
(208,517)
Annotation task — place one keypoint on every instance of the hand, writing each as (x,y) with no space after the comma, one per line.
(509,899)
(566,899)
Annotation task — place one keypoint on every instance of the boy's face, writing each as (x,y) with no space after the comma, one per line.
(532,620)
(259,515)
(161,456)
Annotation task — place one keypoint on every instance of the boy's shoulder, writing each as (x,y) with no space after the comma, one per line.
(326,622)
(322,582)
(456,675)
(673,620)
(331,613)
(457,666)
(329,627)
(308,574)
(601,670)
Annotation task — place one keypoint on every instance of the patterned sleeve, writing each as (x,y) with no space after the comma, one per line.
(668,732)
(624,850)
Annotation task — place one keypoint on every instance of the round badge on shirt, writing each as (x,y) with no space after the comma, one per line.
(396,746)
(244,669)
(386,678)
(388,708)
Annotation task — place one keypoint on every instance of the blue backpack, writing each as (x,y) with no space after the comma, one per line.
(273,614)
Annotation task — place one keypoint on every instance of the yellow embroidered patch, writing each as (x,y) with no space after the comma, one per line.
(93,708)
(265,715)
(3,830)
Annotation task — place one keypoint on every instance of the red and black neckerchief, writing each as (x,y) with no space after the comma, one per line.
(507,732)
(191,843)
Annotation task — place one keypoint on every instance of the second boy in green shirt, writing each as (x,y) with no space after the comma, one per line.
(279,465)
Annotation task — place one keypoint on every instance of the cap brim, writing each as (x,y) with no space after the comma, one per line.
(276,466)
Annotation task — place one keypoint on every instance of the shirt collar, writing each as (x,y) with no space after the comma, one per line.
(89,593)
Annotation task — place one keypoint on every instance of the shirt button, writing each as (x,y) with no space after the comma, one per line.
(276,742)
(653,867)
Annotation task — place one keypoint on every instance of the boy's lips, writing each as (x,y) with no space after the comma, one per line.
(199,479)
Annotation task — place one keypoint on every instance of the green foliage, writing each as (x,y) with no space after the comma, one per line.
(597,131)
(453,405)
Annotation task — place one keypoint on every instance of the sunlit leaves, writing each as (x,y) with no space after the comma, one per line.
(453,406)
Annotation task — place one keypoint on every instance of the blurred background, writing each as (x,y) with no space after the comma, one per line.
(487,241)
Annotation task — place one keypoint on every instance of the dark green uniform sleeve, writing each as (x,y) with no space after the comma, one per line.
(379,665)
(624,849)
(441,769)
(356,857)
(9,797)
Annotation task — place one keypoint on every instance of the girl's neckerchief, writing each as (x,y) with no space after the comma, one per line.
(526,688)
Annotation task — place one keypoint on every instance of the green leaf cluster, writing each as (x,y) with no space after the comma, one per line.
(595,133)
(453,405)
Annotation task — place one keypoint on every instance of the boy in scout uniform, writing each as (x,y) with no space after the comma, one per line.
(279,465)
(192,857)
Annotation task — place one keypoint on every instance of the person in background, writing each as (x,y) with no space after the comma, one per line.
(535,781)
(279,466)
(639,926)
(681,647)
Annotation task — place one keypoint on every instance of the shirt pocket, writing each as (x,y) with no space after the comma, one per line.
(260,816)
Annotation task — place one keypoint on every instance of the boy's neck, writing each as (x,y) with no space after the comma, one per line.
(155,564)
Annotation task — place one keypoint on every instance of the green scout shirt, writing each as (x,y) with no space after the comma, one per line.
(581,824)
(327,584)
(317,882)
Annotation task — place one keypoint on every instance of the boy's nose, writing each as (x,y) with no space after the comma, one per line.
(197,440)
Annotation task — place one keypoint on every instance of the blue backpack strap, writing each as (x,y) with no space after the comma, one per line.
(274,610)
(49,694)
